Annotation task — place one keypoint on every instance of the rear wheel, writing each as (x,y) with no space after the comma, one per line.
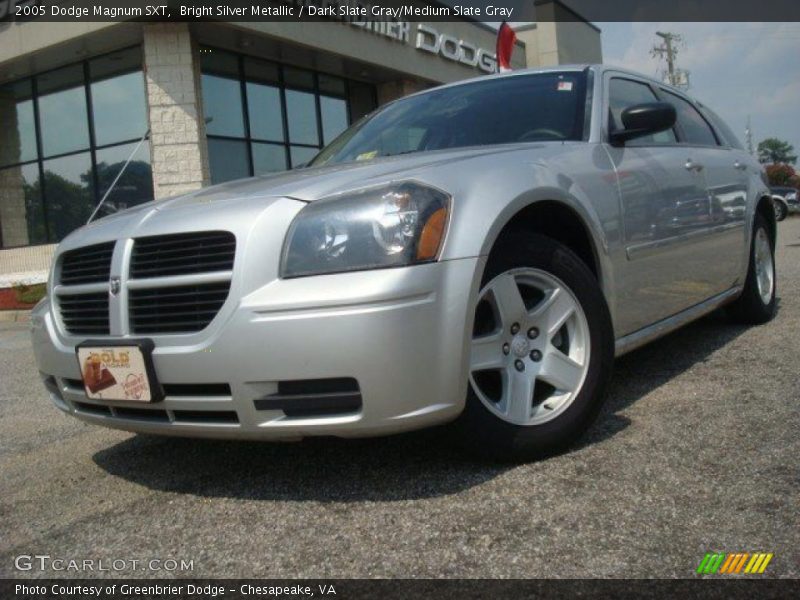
(780,210)
(757,303)
(542,351)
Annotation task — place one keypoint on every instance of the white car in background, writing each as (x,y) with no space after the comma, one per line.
(786,201)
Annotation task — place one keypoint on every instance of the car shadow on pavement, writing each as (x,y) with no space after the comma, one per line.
(408,466)
(643,370)
(417,465)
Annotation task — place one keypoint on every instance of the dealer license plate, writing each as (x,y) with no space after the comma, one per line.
(119,372)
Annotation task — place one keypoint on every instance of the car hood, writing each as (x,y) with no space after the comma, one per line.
(319,182)
(248,198)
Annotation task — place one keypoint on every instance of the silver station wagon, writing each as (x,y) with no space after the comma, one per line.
(477,253)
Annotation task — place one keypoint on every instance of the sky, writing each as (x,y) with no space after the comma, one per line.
(737,69)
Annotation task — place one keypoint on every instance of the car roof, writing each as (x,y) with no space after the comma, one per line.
(598,69)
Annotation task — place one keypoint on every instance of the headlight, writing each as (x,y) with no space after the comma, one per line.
(396,225)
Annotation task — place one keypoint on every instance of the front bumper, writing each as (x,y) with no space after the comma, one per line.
(402,334)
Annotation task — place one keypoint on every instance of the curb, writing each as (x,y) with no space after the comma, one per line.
(15,316)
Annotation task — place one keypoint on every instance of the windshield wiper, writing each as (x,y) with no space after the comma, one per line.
(403,152)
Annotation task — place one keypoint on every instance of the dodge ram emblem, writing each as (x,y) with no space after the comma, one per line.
(113,286)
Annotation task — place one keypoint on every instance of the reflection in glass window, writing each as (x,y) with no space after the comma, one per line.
(301,113)
(62,113)
(268,158)
(227,160)
(334,117)
(255,105)
(264,111)
(36,210)
(302,155)
(136,184)
(17,130)
(112,98)
(222,103)
(69,193)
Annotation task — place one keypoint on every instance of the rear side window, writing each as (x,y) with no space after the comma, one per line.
(728,137)
(623,93)
(694,127)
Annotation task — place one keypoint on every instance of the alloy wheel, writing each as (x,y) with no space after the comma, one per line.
(530,347)
(765,266)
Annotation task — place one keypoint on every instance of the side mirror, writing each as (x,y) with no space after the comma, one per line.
(644,119)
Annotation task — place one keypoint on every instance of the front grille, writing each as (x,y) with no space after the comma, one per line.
(91,264)
(156,305)
(85,314)
(184,309)
(182,254)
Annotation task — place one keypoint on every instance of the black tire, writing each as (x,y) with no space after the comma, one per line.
(749,308)
(780,210)
(488,436)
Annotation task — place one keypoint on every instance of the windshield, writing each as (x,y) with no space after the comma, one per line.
(539,107)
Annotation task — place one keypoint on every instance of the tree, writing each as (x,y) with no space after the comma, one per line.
(780,174)
(775,151)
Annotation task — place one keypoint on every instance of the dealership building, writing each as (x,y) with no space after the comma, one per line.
(213,101)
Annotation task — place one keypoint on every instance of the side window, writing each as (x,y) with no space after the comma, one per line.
(624,93)
(722,129)
(694,126)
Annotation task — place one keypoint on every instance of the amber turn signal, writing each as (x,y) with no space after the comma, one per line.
(432,235)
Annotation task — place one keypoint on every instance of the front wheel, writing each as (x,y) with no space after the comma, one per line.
(542,351)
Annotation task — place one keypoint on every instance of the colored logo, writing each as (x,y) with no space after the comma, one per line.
(734,563)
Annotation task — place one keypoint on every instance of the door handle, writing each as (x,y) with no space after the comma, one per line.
(739,166)
(693,166)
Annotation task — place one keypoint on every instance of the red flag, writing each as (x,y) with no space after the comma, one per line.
(505,46)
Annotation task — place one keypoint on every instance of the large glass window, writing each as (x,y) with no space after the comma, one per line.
(222,102)
(62,111)
(263,117)
(334,117)
(68,184)
(117,96)
(227,159)
(301,112)
(64,136)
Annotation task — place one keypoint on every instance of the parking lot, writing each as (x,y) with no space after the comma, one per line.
(697,450)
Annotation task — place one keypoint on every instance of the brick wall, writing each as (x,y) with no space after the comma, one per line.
(177,131)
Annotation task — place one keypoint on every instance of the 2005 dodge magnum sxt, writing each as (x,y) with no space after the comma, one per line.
(477,253)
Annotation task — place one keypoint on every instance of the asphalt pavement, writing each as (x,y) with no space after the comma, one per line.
(697,450)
